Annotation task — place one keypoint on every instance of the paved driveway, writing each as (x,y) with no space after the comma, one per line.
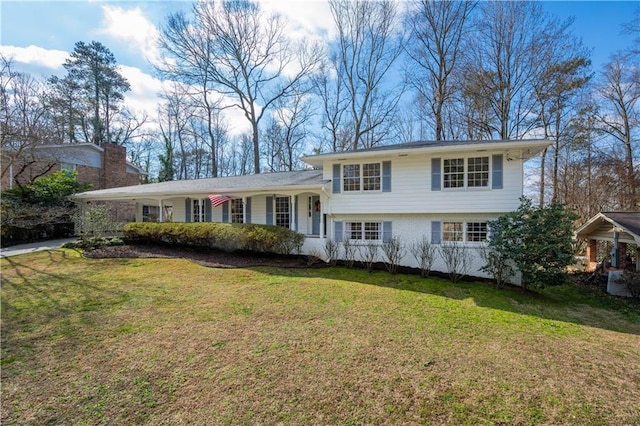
(33,247)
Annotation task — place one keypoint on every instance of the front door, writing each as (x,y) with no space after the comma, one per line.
(315,215)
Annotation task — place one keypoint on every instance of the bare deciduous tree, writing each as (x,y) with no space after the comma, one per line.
(367,47)
(437,30)
(619,93)
(243,54)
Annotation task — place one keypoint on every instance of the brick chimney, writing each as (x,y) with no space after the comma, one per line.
(114,166)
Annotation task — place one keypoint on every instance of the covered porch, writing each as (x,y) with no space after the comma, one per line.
(622,231)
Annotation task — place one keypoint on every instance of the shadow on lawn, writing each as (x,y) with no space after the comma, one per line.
(566,303)
(44,302)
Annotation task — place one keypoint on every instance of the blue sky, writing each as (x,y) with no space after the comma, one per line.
(39,34)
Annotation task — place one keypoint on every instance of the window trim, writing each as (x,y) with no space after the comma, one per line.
(363,231)
(466,174)
(236,211)
(277,214)
(464,232)
(361,177)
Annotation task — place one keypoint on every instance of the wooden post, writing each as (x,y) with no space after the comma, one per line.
(592,251)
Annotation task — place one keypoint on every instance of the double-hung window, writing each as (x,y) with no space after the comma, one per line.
(371,177)
(469,232)
(237,210)
(453,173)
(363,231)
(351,177)
(283,216)
(198,211)
(472,173)
(452,231)
(478,172)
(361,177)
(476,231)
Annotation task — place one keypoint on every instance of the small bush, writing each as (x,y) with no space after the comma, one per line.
(331,249)
(631,280)
(94,243)
(221,236)
(394,252)
(369,253)
(457,260)
(349,252)
(425,254)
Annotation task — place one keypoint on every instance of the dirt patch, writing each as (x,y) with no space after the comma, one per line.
(209,258)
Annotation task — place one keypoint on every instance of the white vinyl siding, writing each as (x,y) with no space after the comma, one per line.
(412,192)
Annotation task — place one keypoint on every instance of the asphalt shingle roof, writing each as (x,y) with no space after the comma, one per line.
(212,185)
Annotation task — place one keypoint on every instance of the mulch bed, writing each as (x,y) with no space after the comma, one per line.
(209,258)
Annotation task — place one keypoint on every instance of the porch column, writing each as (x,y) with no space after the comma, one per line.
(592,251)
(244,209)
(160,213)
(292,200)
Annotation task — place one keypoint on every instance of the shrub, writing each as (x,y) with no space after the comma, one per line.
(96,220)
(331,249)
(631,280)
(456,258)
(369,253)
(425,254)
(221,236)
(394,251)
(349,252)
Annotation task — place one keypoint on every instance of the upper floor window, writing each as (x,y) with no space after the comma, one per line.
(237,210)
(454,173)
(476,172)
(371,177)
(365,177)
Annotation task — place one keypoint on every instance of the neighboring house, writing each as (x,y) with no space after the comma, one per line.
(618,228)
(442,191)
(103,167)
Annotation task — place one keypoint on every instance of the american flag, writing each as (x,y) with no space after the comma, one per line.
(218,200)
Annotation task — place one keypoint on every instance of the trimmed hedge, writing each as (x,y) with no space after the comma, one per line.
(221,236)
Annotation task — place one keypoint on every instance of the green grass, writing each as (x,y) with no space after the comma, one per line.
(166,341)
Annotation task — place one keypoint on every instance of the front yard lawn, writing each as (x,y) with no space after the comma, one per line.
(167,341)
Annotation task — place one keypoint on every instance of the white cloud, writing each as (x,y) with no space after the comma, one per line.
(35,55)
(133,27)
(310,19)
(144,90)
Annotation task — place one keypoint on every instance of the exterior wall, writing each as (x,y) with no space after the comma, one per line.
(102,168)
(410,229)
(411,190)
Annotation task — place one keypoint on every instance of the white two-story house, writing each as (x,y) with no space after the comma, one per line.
(442,191)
